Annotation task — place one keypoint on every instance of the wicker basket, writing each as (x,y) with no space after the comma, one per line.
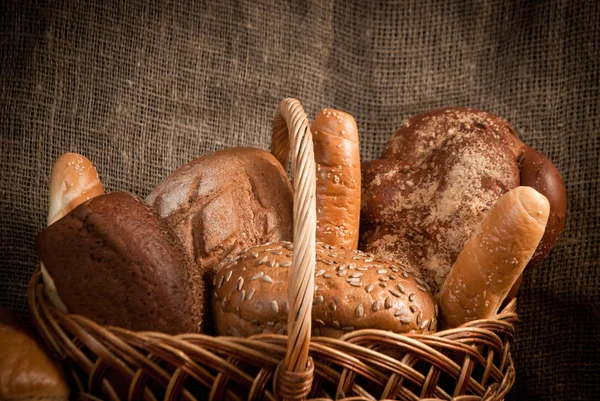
(472,362)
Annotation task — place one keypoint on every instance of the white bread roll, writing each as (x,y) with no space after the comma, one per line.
(494,257)
(74,180)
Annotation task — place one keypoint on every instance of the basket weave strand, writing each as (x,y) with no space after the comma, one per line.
(468,363)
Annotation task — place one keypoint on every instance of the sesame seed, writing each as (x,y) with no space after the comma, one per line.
(394,292)
(388,303)
(240,283)
(369,288)
(342,273)
(274,306)
(355,275)
(413,308)
(271,324)
(243,295)
(355,284)
(419,317)
(399,312)
(362,269)
(382,284)
(250,294)
(392,277)
(285,264)
(272,263)
(406,319)
(411,297)
(267,279)
(319,273)
(318,299)
(277,252)
(348,328)
(257,276)
(326,275)
(368,260)
(424,324)
(322,323)
(254,255)
(352,266)
(401,288)
(336,324)
(381,271)
(221,281)
(419,287)
(375,306)
(383,278)
(333,306)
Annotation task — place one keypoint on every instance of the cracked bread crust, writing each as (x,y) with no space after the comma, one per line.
(224,202)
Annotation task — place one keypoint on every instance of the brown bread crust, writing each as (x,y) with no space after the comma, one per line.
(116,262)
(224,202)
(26,370)
(353,290)
(494,257)
(337,158)
(438,175)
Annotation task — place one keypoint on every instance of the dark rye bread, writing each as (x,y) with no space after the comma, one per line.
(353,291)
(116,262)
(224,202)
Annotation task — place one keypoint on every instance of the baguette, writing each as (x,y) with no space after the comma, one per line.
(493,259)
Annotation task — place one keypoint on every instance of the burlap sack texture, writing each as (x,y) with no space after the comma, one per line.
(142,88)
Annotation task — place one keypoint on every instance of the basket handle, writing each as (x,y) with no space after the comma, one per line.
(291,131)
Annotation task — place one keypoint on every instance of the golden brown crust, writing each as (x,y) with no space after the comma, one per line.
(337,157)
(493,259)
(438,175)
(74,180)
(353,290)
(26,371)
(224,202)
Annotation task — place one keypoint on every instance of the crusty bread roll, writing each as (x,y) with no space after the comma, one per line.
(337,158)
(26,371)
(224,202)
(74,180)
(116,262)
(353,290)
(494,257)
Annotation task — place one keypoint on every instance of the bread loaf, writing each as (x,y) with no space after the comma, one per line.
(337,158)
(494,257)
(438,176)
(353,290)
(224,202)
(116,262)
(26,371)
(74,180)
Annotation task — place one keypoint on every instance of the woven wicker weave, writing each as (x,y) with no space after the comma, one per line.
(472,362)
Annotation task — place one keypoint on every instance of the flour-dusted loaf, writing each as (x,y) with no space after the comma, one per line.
(353,290)
(27,373)
(115,261)
(438,175)
(224,202)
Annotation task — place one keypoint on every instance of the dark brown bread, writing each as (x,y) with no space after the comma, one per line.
(224,202)
(353,290)
(438,175)
(115,261)
(26,372)
(337,158)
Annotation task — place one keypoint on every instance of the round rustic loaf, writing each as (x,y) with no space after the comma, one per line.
(438,175)
(224,202)
(116,262)
(353,290)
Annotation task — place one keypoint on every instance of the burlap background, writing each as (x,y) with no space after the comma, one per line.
(142,88)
